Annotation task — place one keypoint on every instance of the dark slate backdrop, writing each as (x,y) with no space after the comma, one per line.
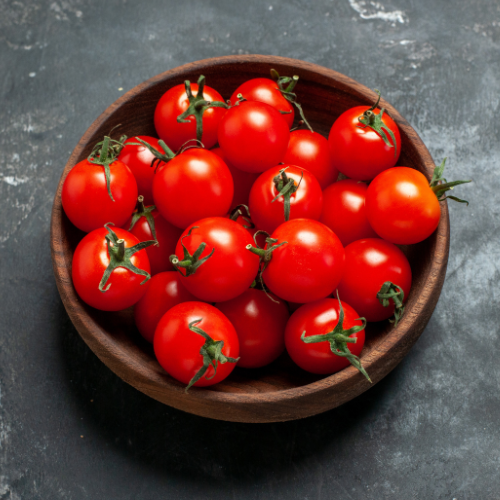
(70,429)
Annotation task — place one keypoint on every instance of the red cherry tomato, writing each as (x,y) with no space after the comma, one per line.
(370,263)
(254,136)
(177,347)
(318,318)
(193,185)
(231,268)
(305,203)
(165,291)
(173,103)
(309,266)
(358,151)
(310,150)
(86,200)
(266,90)
(260,324)
(401,206)
(123,287)
(344,211)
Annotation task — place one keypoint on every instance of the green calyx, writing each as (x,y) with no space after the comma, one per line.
(190,262)
(198,105)
(159,157)
(265,254)
(142,211)
(339,338)
(389,291)
(440,185)
(286,85)
(119,256)
(104,153)
(237,212)
(285,187)
(374,121)
(211,352)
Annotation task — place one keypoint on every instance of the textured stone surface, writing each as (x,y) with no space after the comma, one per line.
(70,429)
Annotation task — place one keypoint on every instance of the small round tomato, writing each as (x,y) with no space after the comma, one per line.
(269,209)
(224,269)
(192,338)
(322,338)
(260,324)
(193,185)
(310,150)
(164,291)
(369,264)
(344,211)
(363,149)
(254,136)
(110,284)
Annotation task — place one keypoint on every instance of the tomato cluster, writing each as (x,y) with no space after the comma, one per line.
(232,255)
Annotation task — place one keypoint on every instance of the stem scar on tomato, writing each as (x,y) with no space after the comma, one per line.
(391,291)
(440,185)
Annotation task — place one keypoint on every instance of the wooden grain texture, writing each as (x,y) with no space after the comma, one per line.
(281,391)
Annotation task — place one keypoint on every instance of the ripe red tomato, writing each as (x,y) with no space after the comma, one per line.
(369,263)
(254,136)
(193,185)
(260,324)
(310,150)
(269,209)
(360,151)
(116,250)
(175,102)
(312,350)
(186,344)
(164,291)
(265,90)
(344,211)
(308,266)
(224,269)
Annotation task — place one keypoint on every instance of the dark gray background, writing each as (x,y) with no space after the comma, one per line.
(70,429)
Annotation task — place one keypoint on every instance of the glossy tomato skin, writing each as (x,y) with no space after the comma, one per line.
(173,103)
(265,90)
(254,136)
(242,181)
(308,267)
(311,151)
(138,159)
(167,236)
(344,211)
(401,207)
(230,270)
(260,324)
(318,318)
(165,291)
(194,185)
(305,203)
(177,348)
(369,263)
(91,259)
(85,197)
(357,150)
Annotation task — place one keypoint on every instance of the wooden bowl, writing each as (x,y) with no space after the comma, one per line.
(280,391)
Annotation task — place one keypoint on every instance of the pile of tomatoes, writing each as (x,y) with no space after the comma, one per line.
(233,253)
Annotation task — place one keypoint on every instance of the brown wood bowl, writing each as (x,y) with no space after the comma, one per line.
(280,391)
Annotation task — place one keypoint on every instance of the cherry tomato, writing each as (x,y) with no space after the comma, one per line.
(369,263)
(164,291)
(310,150)
(230,269)
(178,342)
(124,287)
(268,209)
(344,211)
(401,206)
(260,324)
(265,90)
(254,136)
(193,185)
